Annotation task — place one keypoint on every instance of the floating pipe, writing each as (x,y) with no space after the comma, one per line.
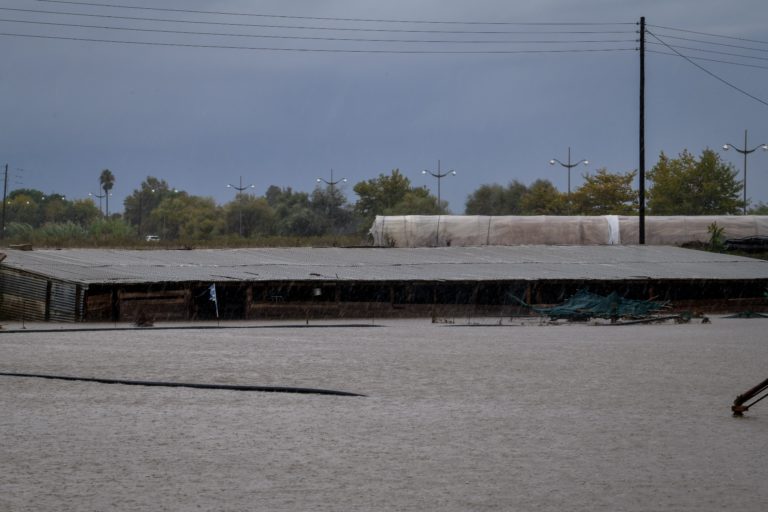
(229,387)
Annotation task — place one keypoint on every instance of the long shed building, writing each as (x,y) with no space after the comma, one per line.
(98,285)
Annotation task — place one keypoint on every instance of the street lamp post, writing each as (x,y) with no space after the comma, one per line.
(141,207)
(568,166)
(240,190)
(100,196)
(745,152)
(439,177)
(331,183)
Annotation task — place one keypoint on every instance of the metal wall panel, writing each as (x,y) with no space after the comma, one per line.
(64,304)
(31,297)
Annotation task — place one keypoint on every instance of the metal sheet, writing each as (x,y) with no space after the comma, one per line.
(92,266)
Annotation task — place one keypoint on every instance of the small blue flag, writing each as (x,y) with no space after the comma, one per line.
(212,296)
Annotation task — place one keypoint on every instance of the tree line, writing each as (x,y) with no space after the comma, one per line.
(685,185)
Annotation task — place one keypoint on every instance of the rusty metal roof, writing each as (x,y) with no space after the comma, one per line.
(489,263)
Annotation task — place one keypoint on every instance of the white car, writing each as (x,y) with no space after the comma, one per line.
(153,238)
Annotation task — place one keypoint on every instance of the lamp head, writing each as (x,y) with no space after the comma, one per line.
(345,179)
(423,172)
(765,147)
(725,147)
(551,162)
(586,162)
(453,173)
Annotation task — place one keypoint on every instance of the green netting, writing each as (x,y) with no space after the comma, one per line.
(747,314)
(584,305)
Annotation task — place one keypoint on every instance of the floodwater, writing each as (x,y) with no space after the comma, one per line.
(456,418)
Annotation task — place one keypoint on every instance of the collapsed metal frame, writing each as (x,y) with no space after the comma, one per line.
(739,406)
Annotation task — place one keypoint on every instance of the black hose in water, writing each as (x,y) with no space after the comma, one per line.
(228,387)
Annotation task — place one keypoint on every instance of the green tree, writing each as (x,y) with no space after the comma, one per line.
(83,212)
(198,218)
(138,207)
(418,201)
(690,186)
(330,204)
(393,195)
(379,195)
(24,206)
(54,208)
(180,216)
(604,193)
(543,199)
(293,212)
(497,200)
(170,213)
(107,182)
(255,213)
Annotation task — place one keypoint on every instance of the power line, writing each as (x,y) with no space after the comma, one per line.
(292,27)
(710,60)
(317,38)
(742,91)
(319,50)
(319,18)
(718,52)
(752,48)
(709,34)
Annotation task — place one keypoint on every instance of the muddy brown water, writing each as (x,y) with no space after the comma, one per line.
(514,417)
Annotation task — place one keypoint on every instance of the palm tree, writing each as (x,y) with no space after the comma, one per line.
(107,181)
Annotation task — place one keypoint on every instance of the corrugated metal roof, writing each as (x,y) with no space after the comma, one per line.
(93,266)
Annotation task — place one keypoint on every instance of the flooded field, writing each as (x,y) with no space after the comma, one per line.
(456,418)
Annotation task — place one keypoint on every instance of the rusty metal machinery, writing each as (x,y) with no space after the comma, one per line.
(740,406)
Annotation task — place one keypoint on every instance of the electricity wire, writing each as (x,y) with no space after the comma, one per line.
(713,75)
(317,38)
(709,60)
(261,25)
(709,34)
(690,39)
(319,50)
(318,18)
(715,52)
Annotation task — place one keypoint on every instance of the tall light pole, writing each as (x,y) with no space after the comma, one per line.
(568,166)
(240,190)
(331,183)
(100,196)
(439,177)
(141,206)
(745,152)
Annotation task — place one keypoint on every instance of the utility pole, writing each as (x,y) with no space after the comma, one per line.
(240,190)
(5,190)
(439,175)
(331,202)
(746,151)
(568,166)
(641,166)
